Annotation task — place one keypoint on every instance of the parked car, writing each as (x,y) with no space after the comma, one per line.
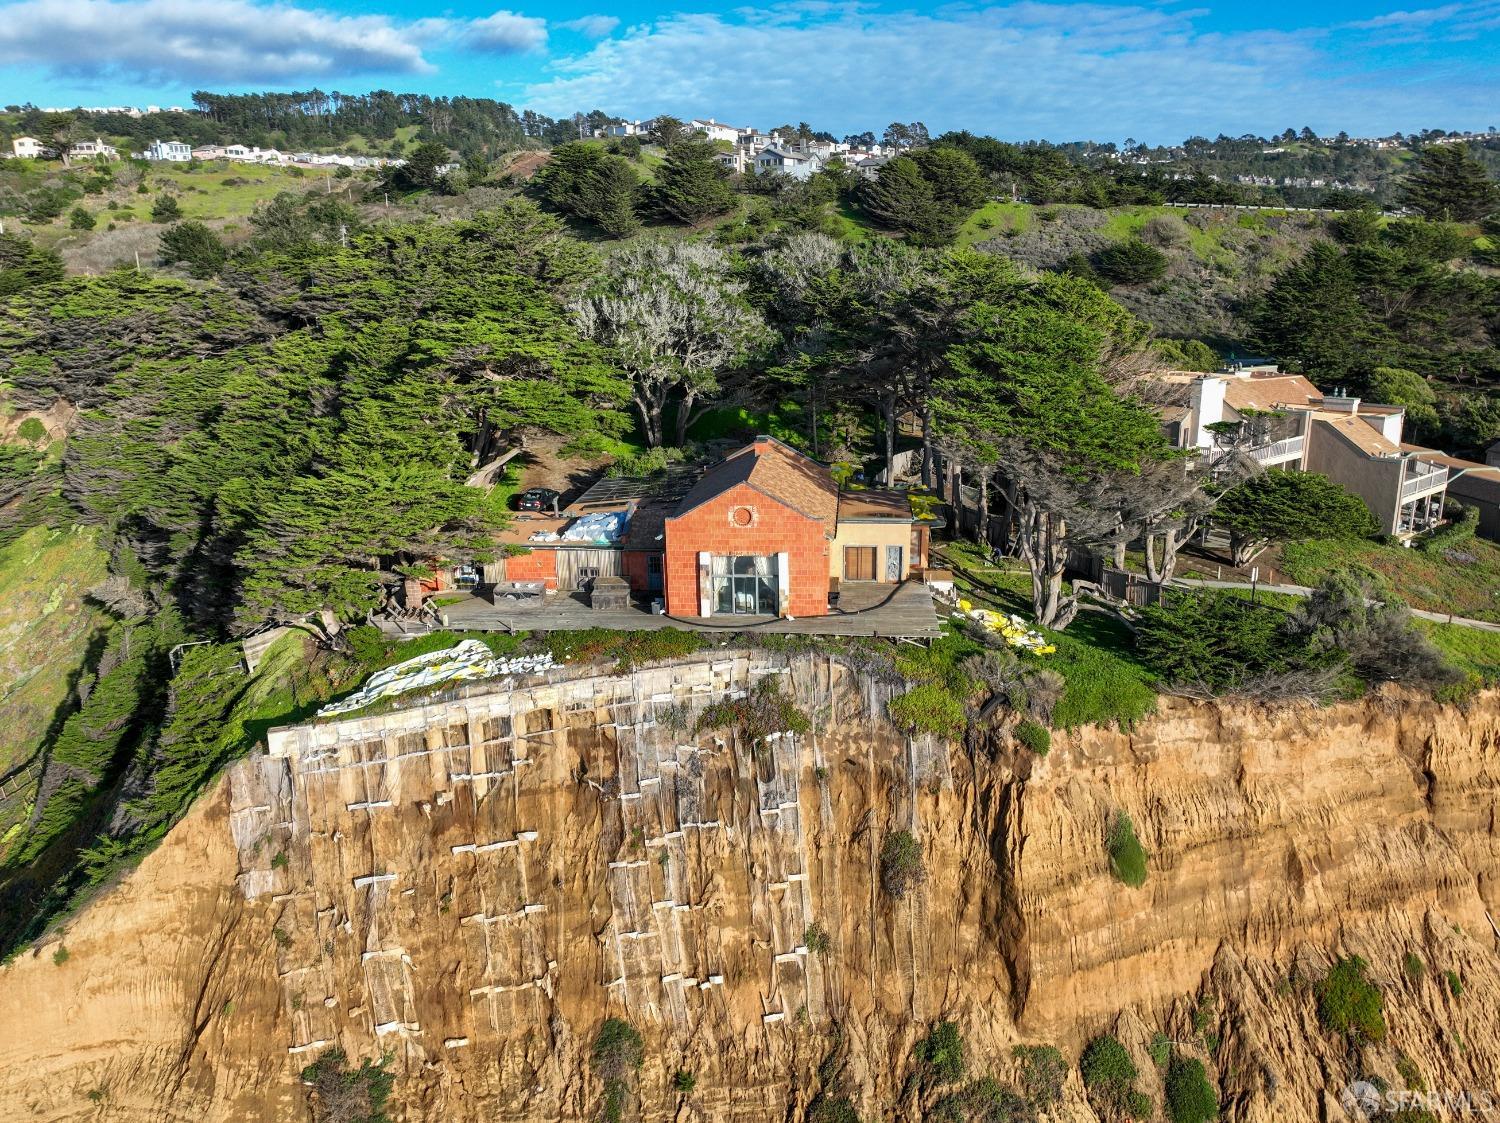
(538,499)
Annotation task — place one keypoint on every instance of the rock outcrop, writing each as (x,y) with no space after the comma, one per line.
(470,887)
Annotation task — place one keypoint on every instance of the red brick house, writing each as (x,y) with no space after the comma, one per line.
(766,531)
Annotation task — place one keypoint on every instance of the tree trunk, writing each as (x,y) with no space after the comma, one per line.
(684,419)
(650,409)
(889,411)
(928,453)
(982,523)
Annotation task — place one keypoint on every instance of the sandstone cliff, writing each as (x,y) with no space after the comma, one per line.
(472,887)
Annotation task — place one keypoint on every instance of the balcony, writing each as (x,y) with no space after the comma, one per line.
(1278,452)
(1422,479)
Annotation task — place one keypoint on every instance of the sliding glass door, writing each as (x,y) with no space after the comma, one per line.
(744,585)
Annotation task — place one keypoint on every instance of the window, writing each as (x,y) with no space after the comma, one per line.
(653,563)
(744,585)
(587,573)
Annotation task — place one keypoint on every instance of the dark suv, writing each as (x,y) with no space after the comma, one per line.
(538,499)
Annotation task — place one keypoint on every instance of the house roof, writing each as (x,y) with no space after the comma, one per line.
(647,525)
(1274,392)
(1362,435)
(875,504)
(778,471)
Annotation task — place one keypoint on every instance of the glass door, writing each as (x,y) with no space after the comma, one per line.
(744,585)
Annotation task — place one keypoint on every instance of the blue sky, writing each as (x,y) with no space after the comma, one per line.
(1155,71)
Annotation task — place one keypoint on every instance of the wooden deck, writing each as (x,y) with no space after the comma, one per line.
(896,611)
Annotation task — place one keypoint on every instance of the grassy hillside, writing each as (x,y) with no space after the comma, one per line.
(1217,258)
(46,628)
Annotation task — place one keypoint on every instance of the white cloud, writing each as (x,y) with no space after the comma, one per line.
(1021,70)
(505,33)
(595,27)
(186,41)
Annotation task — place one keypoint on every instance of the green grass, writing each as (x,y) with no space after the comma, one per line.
(1105,682)
(995,220)
(46,628)
(1464,580)
(1473,651)
(785,422)
(203,193)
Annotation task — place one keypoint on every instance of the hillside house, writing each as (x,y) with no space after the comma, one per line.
(29,148)
(767,532)
(94,149)
(171,151)
(764,532)
(1284,421)
(786,161)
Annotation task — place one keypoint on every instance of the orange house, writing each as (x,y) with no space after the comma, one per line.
(761,534)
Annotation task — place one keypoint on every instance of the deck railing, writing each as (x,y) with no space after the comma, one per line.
(1288,449)
(1422,479)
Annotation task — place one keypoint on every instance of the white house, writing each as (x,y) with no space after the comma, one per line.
(93,149)
(627,128)
(798,165)
(235,152)
(713,130)
(29,148)
(173,151)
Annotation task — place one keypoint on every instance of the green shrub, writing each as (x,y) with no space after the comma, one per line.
(1131,262)
(817,940)
(1109,1074)
(684,1082)
(166,209)
(900,863)
(1412,964)
(61,955)
(1217,642)
(627,649)
(1455,983)
(1190,1097)
(343,1095)
(764,710)
(618,1050)
(941,1054)
(32,430)
(1035,736)
(832,1109)
(1160,1049)
(81,218)
(986,1100)
(1127,857)
(1043,1072)
(282,937)
(279,861)
(1410,1074)
(930,708)
(1348,1003)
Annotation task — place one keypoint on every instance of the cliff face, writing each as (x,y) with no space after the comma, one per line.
(471,888)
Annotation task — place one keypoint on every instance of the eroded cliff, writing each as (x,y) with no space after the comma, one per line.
(472,887)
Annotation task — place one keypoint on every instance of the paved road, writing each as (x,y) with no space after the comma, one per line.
(1304,590)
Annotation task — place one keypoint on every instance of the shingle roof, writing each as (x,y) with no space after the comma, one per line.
(777,470)
(1276,392)
(1362,435)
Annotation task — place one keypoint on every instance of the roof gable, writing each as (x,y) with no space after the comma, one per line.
(778,472)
